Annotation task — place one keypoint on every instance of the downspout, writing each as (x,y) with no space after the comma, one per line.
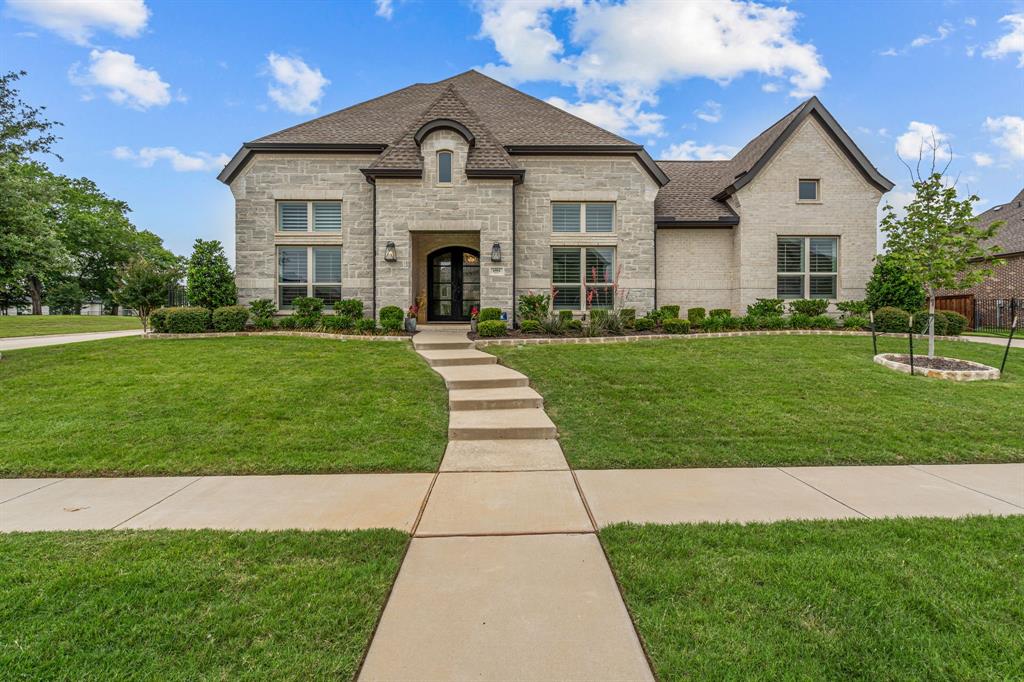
(373,266)
(515,259)
(655,267)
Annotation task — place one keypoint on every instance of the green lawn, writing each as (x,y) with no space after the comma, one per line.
(187,605)
(768,401)
(40,325)
(909,599)
(240,405)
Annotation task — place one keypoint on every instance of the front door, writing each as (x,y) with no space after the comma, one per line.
(453,286)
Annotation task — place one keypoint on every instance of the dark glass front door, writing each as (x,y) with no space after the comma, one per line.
(453,284)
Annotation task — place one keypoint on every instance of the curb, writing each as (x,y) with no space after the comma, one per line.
(312,335)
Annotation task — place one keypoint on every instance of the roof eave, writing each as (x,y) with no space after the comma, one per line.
(514,174)
(247,150)
(648,164)
(674,222)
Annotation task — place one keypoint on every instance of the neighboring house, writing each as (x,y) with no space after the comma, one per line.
(1007,280)
(464,191)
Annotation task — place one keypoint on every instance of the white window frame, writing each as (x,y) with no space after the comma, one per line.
(805,272)
(309,215)
(583,285)
(450,153)
(583,216)
(817,191)
(310,284)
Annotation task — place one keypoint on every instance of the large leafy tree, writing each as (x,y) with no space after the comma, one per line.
(142,286)
(937,242)
(210,282)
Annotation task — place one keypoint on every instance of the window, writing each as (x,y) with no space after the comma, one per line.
(444,167)
(306,216)
(594,218)
(583,278)
(808,190)
(807,267)
(294,265)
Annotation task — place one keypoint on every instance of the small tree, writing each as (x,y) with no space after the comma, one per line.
(890,287)
(211,284)
(143,287)
(936,242)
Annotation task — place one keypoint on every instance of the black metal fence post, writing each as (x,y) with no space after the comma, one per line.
(910,335)
(874,338)
(1009,342)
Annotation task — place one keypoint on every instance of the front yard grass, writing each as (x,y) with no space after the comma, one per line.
(40,325)
(900,599)
(186,605)
(769,401)
(240,405)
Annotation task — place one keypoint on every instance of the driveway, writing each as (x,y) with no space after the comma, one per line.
(18,342)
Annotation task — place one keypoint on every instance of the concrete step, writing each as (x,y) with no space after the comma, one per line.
(443,345)
(503,455)
(480,376)
(451,358)
(518,397)
(500,425)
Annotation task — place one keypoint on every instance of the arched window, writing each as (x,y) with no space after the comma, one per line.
(444,167)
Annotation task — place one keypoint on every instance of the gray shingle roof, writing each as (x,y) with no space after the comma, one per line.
(1010,238)
(689,194)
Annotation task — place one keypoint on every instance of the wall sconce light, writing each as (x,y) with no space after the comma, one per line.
(390,253)
(496,253)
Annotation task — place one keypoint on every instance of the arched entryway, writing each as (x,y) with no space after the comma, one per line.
(453,284)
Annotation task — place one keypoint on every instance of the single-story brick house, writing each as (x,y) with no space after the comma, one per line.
(467,192)
(1007,280)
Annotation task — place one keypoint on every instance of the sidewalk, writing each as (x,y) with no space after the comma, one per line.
(18,342)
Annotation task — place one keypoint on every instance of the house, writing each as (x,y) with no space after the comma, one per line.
(468,193)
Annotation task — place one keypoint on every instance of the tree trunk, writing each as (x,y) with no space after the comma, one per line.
(931,323)
(35,292)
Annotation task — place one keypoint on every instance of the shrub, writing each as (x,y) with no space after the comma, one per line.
(289,322)
(596,325)
(574,325)
(921,323)
(765,306)
(655,316)
(366,326)
(210,281)
(230,318)
(823,322)
(187,320)
(335,324)
(158,320)
(856,308)
(262,311)
(772,322)
(721,323)
(349,307)
(599,315)
(643,324)
(812,307)
(890,286)
(892,320)
(720,312)
(628,317)
(308,311)
(530,326)
(565,315)
(613,323)
(489,315)
(856,322)
(552,324)
(673,325)
(669,312)
(800,321)
(392,319)
(955,322)
(534,306)
(491,328)
(696,315)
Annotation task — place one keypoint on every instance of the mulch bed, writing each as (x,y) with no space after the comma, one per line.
(935,363)
(516,334)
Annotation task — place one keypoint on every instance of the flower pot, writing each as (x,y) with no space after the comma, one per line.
(410,325)
(472,326)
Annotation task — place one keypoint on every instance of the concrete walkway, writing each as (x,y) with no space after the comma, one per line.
(18,342)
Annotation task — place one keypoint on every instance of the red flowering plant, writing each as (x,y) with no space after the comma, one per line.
(413,310)
(474,312)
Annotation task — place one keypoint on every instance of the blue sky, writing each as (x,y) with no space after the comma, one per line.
(155,95)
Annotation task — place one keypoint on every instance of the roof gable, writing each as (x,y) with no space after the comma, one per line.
(1010,237)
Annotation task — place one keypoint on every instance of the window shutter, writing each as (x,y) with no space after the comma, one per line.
(600,217)
(565,217)
(291,266)
(790,254)
(292,217)
(326,216)
(327,266)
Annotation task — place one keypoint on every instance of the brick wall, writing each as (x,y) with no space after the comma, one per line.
(1007,281)
(696,268)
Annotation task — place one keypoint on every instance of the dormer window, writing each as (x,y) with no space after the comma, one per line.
(809,190)
(444,167)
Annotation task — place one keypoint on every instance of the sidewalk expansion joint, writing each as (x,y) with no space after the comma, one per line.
(963,485)
(162,499)
(818,490)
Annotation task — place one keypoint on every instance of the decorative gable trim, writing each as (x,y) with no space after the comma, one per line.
(238,162)
(444,124)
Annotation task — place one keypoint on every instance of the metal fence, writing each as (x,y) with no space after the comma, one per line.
(996,314)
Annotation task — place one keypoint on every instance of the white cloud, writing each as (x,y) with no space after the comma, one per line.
(125,81)
(1011,43)
(891,52)
(970,21)
(922,139)
(180,161)
(770,87)
(626,51)
(711,113)
(691,151)
(384,8)
(982,160)
(77,20)
(1009,134)
(297,87)
(941,33)
(616,115)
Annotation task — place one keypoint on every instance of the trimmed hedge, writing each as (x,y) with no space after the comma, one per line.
(158,321)
(349,307)
(669,312)
(856,322)
(720,312)
(491,328)
(891,320)
(565,315)
(627,316)
(366,326)
(823,322)
(392,319)
(187,320)
(530,326)
(230,318)
(336,323)
(674,325)
(643,324)
(765,306)
(262,311)
(696,315)
(812,307)
(955,322)
(574,325)
(489,315)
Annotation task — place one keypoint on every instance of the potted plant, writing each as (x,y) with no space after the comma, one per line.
(410,318)
(473,314)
